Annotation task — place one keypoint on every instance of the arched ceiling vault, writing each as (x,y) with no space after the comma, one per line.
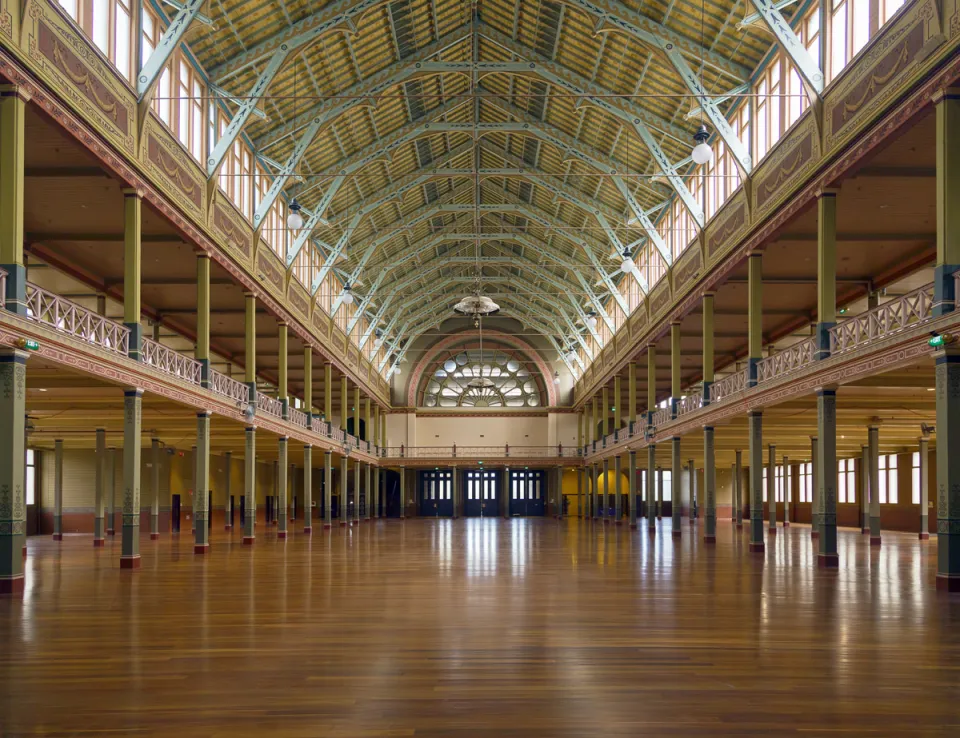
(429,140)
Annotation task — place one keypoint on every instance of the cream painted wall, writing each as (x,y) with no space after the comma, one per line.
(482,431)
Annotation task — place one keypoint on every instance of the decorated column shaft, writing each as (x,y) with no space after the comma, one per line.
(249,485)
(827,459)
(676,485)
(283,466)
(632,470)
(617,409)
(130,522)
(202,350)
(13,503)
(605,504)
(13,110)
(924,481)
(947,105)
(100,483)
(594,503)
(873,435)
(948,469)
(201,492)
(815,485)
(250,346)
(357,487)
(709,487)
(693,491)
(787,490)
(605,413)
(618,489)
(283,358)
(675,389)
(651,386)
(579,491)
(328,393)
(659,493)
(631,393)
(864,490)
(754,320)
(227,492)
(772,487)
(58,489)
(755,424)
(156,457)
(112,486)
(707,347)
(367,491)
(651,487)
(327,489)
(344,504)
(826,269)
(308,489)
(132,207)
(738,477)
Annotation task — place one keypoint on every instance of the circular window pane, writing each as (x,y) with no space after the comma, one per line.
(449,365)
(513,365)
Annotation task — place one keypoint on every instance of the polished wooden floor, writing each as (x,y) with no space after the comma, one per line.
(481,627)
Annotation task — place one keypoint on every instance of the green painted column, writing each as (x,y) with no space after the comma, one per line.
(754,319)
(283,472)
(132,215)
(755,430)
(605,413)
(13,107)
(594,431)
(873,435)
(130,522)
(651,488)
(100,483)
(676,486)
(815,486)
(202,351)
(250,344)
(595,485)
(617,420)
(327,488)
(376,492)
(403,493)
(632,393)
(58,489)
(357,491)
(948,468)
(283,357)
(651,386)
(455,492)
(308,489)
(308,384)
(864,490)
(605,502)
(632,470)
(692,511)
(787,492)
(112,486)
(367,420)
(201,491)
(579,492)
(826,269)
(227,479)
(292,494)
(344,503)
(275,496)
(13,504)
(344,401)
(618,503)
(738,467)
(367,490)
(675,389)
(328,393)
(924,481)
(707,346)
(659,492)
(250,486)
(156,459)
(772,487)
(709,487)
(947,106)
(827,557)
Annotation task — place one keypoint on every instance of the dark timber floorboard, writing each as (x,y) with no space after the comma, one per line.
(481,627)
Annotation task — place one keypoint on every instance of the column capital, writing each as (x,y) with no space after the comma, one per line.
(133,192)
(827,192)
(16,91)
(203,255)
(938,96)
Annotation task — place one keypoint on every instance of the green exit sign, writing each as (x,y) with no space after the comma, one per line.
(936,341)
(29,344)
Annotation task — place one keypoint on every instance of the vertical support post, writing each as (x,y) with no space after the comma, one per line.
(308,489)
(13,504)
(632,484)
(738,475)
(787,490)
(100,484)
(754,323)
(659,493)
(283,393)
(201,492)
(357,480)
(595,484)
(605,415)
(755,423)
(632,392)
(58,489)
(828,557)
(605,505)
(344,401)
(227,479)
(327,488)
(865,490)
(675,389)
(617,409)
(693,491)
(13,108)
(368,423)
(873,434)
(676,485)
(947,106)
(328,393)
(579,492)
(112,499)
(772,487)
(155,462)
(651,488)
(709,487)
(924,452)
(202,351)
(283,466)
(618,489)
(826,269)
(250,485)
(403,493)
(131,270)
(454,492)
(250,347)
(367,491)
(814,502)
(708,358)
(595,429)
(308,383)
(130,522)
(948,470)
(651,386)
(344,506)
(274,511)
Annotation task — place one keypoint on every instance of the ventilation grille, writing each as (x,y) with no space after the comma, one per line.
(537,99)
(531,147)
(401,16)
(430,191)
(414,92)
(548,28)
(424,152)
(526,192)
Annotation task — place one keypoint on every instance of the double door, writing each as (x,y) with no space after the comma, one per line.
(481,493)
(528,490)
(436,493)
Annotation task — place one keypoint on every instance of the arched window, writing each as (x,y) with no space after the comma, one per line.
(496,379)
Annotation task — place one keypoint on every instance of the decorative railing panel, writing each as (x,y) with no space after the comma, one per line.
(790,359)
(883,321)
(297,417)
(729,385)
(689,403)
(661,417)
(228,387)
(337,434)
(169,361)
(270,405)
(75,320)
(485,452)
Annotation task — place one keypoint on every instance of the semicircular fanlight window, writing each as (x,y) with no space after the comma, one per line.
(507,383)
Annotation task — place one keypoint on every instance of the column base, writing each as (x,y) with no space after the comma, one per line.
(786,523)
(11,585)
(201,548)
(281,534)
(675,534)
(756,548)
(709,539)
(772,530)
(58,536)
(814,534)
(111,532)
(154,536)
(24,550)
(828,561)
(924,536)
(343,523)
(945,583)
(249,540)
(98,543)
(129,562)
(652,531)
(308,531)
(691,521)
(327,526)
(875,541)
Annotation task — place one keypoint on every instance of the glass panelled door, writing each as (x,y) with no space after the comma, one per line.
(482,493)
(436,493)
(528,489)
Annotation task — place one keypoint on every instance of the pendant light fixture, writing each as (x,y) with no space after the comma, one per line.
(294,218)
(702,152)
(346,297)
(556,377)
(628,265)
